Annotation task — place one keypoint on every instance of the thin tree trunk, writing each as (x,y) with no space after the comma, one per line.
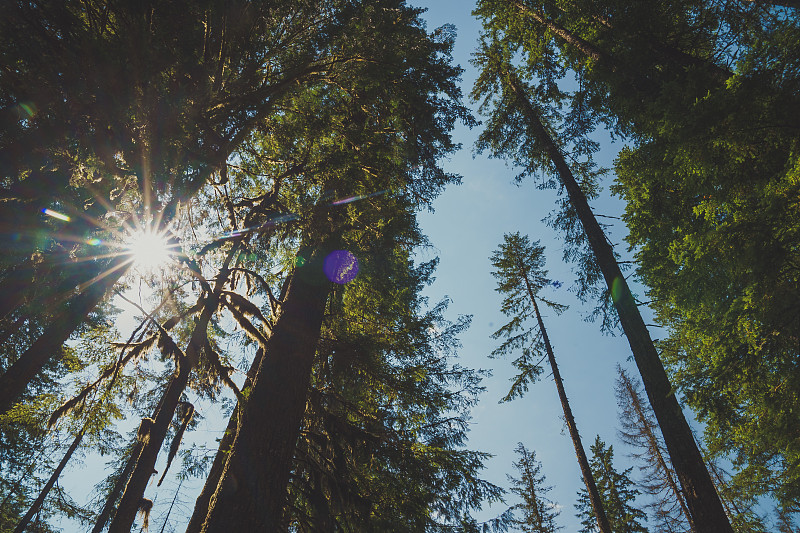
(586,471)
(171,506)
(655,446)
(134,490)
(152,432)
(701,496)
(145,463)
(31,362)
(116,490)
(225,445)
(252,491)
(37,505)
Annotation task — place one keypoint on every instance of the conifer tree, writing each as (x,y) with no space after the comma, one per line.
(640,431)
(521,129)
(160,97)
(538,513)
(617,491)
(521,276)
(703,94)
(390,117)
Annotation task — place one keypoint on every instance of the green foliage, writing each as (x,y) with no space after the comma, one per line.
(538,513)
(617,493)
(510,134)
(706,93)
(520,273)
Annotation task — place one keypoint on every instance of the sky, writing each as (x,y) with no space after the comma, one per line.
(467,226)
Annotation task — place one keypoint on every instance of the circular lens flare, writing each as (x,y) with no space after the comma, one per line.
(341,267)
(149,250)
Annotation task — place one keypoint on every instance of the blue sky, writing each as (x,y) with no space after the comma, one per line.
(468,224)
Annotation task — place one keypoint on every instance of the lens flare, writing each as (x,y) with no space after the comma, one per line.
(149,250)
(341,267)
(56,214)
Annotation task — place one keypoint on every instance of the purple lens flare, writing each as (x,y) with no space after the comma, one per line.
(341,266)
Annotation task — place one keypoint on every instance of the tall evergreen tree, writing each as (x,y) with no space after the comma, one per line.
(116,114)
(706,93)
(520,129)
(538,513)
(521,276)
(617,491)
(408,98)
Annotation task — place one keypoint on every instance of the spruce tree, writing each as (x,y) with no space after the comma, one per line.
(640,431)
(617,491)
(538,513)
(521,129)
(521,276)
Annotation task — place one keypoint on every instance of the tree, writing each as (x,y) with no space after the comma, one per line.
(539,513)
(702,92)
(382,441)
(616,490)
(161,97)
(519,265)
(518,129)
(715,240)
(409,102)
(640,431)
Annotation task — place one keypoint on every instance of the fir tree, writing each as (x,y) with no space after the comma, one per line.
(617,491)
(538,513)
(521,276)
(521,129)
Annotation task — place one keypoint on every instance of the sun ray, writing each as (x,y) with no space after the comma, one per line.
(150,250)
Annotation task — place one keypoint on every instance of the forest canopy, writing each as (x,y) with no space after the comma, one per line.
(209,214)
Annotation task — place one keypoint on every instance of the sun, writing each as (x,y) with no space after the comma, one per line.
(149,250)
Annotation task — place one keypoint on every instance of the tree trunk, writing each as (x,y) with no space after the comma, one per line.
(108,507)
(252,491)
(154,437)
(152,433)
(701,497)
(37,505)
(225,445)
(31,362)
(586,471)
(587,48)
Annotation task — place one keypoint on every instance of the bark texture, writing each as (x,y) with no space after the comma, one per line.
(201,505)
(252,491)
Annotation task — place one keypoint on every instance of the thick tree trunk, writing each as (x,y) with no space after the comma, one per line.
(701,496)
(37,505)
(13,287)
(655,447)
(586,470)
(251,494)
(31,362)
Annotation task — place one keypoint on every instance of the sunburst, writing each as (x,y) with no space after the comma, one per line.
(150,250)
